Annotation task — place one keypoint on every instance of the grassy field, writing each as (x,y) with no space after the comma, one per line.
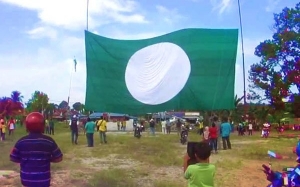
(152,161)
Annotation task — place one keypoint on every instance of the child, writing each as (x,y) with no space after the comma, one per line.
(213,137)
(35,152)
(3,130)
(202,173)
(206,134)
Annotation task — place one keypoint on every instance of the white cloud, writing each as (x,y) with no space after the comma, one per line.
(71,14)
(170,16)
(221,5)
(42,32)
(48,76)
(272,5)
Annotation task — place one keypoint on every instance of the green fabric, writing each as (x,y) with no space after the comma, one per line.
(200,175)
(90,127)
(210,86)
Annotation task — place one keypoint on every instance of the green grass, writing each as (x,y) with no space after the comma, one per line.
(150,161)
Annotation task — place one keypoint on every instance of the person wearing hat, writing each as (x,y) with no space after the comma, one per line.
(74,129)
(35,152)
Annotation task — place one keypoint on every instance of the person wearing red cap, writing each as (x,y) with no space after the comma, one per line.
(35,152)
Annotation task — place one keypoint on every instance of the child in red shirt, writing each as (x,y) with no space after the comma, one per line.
(213,137)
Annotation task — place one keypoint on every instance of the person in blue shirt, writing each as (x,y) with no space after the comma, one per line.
(225,133)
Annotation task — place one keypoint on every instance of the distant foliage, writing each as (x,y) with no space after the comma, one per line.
(279,67)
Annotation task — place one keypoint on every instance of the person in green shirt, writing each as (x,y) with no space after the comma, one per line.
(202,173)
(89,130)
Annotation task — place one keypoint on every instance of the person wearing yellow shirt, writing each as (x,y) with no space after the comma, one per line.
(101,126)
(3,130)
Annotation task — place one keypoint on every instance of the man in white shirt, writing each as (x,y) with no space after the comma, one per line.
(163,126)
(250,128)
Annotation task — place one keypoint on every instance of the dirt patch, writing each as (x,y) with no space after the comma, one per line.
(112,160)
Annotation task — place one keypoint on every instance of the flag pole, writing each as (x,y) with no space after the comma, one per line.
(70,85)
(87,15)
(243,53)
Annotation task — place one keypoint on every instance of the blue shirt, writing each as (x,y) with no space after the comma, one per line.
(225,129)
(35,152)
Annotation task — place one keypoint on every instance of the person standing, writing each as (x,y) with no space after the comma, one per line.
(152,127)
(51,126)
(11,126)
(250,128)
(2,130)
(213,137)
(47,127)
(74,129)
(225,133)
(89,132)
(163,127)
(178,127)
(101,126)
(118,124)
(124,124)
(168,126)
(35,152)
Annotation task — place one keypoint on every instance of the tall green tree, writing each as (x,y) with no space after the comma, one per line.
(279,67)
(38,102)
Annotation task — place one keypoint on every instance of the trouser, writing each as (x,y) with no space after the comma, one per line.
(102,135)
(11,132)
(2,136)
(226,142)
(152,130)
(90,139)
(118,127)
(47,129)
(178,130)
(168,129)
(214,144)
(219,143)
(250,132)
(163,130)
(51,130)
(74,136)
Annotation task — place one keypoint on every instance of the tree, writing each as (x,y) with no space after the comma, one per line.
(50,109)
(38,102)
(77,106)
(63,105)
(11,106)
(279,67)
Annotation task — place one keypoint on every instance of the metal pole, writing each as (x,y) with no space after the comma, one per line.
(87,15)
(243,54)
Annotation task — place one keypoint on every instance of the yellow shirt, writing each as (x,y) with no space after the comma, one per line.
(3,128)
(101,124)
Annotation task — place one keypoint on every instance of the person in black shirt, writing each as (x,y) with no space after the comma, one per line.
(74,129)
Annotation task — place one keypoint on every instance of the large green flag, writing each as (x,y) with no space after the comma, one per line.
(189,69)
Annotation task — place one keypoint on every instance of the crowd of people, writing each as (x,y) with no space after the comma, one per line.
(213,137)
(5,125)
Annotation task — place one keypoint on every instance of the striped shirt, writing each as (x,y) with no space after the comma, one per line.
(35,152)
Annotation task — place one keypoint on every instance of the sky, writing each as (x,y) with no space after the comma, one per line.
(40,38)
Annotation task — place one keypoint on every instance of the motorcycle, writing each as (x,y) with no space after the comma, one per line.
(184,135)
(265,132)
(138,132)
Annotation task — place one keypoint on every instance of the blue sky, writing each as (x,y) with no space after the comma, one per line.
(39,38)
